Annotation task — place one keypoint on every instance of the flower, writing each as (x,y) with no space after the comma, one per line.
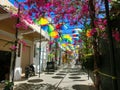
(14,15)
(116,35)
(91,32)
(88,34)
(13,47)
(21,25)
(22,42)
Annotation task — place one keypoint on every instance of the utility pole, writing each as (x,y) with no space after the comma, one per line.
(56,53)
(40,52)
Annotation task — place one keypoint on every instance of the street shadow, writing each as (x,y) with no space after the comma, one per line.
(50,73)
(74,71)
(35,80)
(26,86)
(80,80)
(66,68)
(74,77)
(57,77)
(74,74)
(60,74)
(82,87)
(83,73)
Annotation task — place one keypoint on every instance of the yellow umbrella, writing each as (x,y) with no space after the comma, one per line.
(54,34)
(64,45)
(43,21)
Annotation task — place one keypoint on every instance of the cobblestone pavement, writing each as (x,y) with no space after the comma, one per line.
(67,78)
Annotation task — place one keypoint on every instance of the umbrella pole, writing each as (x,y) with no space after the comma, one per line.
(56,54)
(40,52)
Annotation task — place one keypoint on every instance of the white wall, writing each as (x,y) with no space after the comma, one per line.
(43,57)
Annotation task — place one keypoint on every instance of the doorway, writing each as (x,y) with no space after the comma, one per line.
(5,59)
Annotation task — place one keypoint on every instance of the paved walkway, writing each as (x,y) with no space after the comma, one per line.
(67,78)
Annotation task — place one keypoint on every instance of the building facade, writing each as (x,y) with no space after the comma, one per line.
(25,53)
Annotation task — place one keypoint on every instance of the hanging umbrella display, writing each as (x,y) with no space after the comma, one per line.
(35,21)
(45,28)
(71,46)
(67,37)
(75,38)
(59,40)
(64,27)
(75,34)
(67,48)
(78,29)
(54,34)
(50,28)
(43,21)
(58,26)
(63,45)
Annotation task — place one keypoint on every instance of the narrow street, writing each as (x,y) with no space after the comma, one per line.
(59,44)
(67,78)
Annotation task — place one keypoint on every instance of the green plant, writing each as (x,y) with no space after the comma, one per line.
(88,61)
(50,56)
(8,85)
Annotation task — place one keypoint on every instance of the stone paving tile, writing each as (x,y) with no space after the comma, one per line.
(26,86)
(64,83)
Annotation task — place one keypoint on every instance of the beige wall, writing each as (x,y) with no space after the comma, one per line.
(26,53)
(4,45)
(25,60)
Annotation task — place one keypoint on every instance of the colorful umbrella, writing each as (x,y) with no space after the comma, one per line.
(58,26)
(64,27)
(50,28)
(43,21)
(60,39)
(67,37)
(54,34)
(45,27)
(64,45)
